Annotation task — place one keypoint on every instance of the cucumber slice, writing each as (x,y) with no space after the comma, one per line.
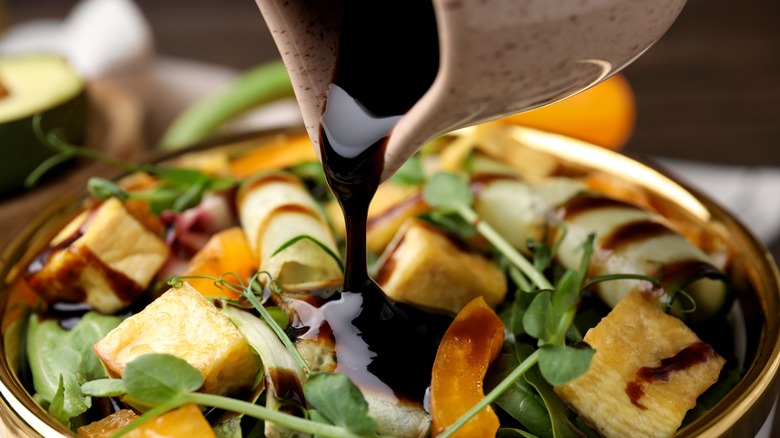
(30,85)
(711,291)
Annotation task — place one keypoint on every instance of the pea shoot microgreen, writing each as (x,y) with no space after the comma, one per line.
(411,173)
(348,409)
(544,253)
(543,309)
(674,293)
(559,413)
(179,188)
(449,192)
(166,382)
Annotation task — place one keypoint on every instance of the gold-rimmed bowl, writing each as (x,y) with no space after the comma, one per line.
(741,413)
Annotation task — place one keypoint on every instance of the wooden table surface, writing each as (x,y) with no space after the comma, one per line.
(709,90)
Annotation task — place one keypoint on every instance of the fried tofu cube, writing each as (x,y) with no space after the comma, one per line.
(647,372)
(425,267)
(183,323)
(104,257)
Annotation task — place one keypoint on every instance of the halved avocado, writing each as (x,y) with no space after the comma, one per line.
(29,85)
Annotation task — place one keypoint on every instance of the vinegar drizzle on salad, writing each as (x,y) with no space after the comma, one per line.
(388,58)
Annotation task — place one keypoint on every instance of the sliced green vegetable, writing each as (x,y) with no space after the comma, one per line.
(250,291)
(231,428)
(260,85)
(263,340)
(548,317)
(276,358)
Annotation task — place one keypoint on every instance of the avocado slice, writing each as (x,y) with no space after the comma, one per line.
(36,84)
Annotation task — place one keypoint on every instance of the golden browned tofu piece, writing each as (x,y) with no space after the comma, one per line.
(647,372)
(183,323)
(425,267)
(104,257)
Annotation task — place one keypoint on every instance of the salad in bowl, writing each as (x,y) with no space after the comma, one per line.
(570,291)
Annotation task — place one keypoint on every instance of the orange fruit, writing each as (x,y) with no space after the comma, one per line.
(604,114)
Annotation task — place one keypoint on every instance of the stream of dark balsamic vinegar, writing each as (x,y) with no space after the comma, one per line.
(388,58)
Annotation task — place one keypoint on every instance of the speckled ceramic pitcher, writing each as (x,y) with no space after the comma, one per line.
(497,57)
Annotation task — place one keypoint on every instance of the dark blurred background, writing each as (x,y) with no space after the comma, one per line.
(708,90)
